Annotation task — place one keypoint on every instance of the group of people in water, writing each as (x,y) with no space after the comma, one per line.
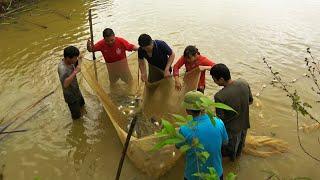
(225,138)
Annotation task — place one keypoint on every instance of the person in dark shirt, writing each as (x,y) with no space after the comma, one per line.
(159,56)
(236,94)
(68,68)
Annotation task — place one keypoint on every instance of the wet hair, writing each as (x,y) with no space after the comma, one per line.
(220,71)
(107,32)
(144,40)
(70,52)
(190,51)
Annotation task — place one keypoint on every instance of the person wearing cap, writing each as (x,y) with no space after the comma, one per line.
(114,49)
(236,94)
(192,59)
(159,56)
(210,136)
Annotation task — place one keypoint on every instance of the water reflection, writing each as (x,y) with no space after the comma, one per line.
(78,140)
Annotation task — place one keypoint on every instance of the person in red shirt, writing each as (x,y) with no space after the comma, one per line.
(114,49)
(192,59)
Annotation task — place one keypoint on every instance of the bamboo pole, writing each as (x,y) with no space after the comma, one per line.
(92,44)
(124,151)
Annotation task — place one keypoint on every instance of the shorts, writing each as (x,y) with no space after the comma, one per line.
(75,108)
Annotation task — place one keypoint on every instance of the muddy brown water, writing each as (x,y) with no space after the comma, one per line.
(237,33)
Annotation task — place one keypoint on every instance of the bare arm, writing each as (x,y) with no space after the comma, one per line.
(204,68)
(143,69)
(250,96)
(68,80)
(89,46)
(135,48)
(170,61)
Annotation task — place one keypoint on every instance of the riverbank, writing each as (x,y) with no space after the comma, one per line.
(9,7)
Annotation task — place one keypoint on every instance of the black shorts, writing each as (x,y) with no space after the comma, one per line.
(75,108)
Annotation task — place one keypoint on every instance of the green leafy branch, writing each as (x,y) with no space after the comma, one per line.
(169,135)
(298,105)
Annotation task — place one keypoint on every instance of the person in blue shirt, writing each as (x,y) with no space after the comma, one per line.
(159,56)
(201,129)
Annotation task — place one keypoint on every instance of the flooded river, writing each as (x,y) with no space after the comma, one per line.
(237,33)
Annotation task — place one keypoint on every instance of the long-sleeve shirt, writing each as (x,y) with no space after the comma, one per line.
(201,61)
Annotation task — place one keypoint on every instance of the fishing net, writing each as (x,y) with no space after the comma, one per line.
(123,97)
(310,128)
(264,146)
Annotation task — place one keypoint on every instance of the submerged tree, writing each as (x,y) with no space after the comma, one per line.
(300,105)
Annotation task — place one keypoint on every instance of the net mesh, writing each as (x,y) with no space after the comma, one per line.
(121,96)
(150,102)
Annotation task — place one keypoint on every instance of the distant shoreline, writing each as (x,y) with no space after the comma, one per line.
(8,7)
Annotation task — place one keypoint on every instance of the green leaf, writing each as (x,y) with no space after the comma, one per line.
(180,136)
(198,104)
(179,117)
(169,141)
(205,154)
(185,148)
(307,105)
(180,123)
(231,176)
(212,171)
(189,118)
(168,126)
(193,124)
(225,107)
(207,101)
(200,175)
(211,116)
(162,133)
(197,144)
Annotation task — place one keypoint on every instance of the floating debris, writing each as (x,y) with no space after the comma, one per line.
(258,104)
(310,128)
(261,115)
(264,146)
(135,134)
(173,154)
